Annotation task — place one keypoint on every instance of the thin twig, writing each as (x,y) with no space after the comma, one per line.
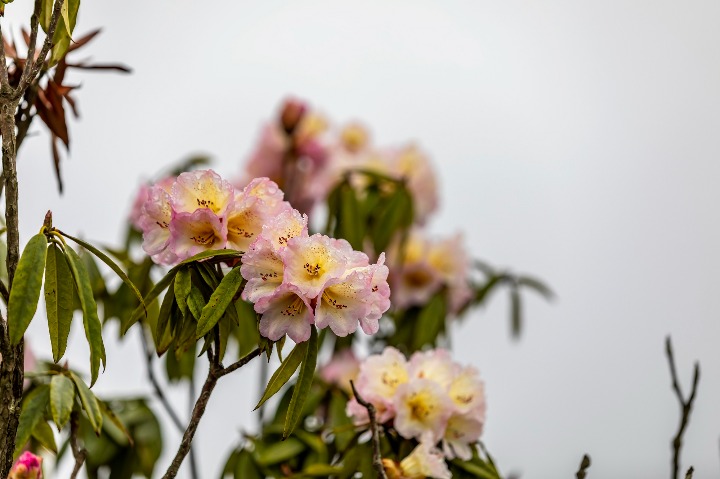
(689,473)
(4,82)
(79,453)
(685,407)
(377,456)
(149,359)
(215,372)
(34,22)
(32,68)
(584,465)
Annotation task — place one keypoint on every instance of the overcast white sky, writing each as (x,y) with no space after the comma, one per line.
(575,140)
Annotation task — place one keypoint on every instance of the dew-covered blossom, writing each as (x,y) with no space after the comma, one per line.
(198,211)
(428,266)
(28,466)
(429,398)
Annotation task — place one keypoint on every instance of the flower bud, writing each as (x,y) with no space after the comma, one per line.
(28,466)
(292,112)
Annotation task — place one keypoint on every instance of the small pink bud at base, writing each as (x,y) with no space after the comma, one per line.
(28,466)
(291,114)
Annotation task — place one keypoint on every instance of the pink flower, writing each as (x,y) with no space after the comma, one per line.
(287,311)
(413,165)
(379,378)
(193,233)
(424,461)
(262,267)
(460,433)
(28,466)
(434,364)
(311,262)
(468,393)
(342,303)
(422,409)
(201,189)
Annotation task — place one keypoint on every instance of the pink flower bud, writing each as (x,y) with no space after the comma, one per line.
(28,466)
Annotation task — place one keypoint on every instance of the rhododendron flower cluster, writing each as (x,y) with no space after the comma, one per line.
(198,210)
(426,267)
(301,145)
(28,466)
(297,280)
(429,398)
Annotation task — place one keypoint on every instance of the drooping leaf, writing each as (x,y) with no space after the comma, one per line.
(515,312)
(110,263)
(150,297)
(430,322)
(321,470)
(284,372)
(195,302)
(183,283)
(349,225)
(91,321)
(277,452)
(396,214)
(64,29)
(537,286)
(165,310)
(115,420)
(33,410)
(303,385)
(214,253)
(43,433)
(245,467)
(25,288)
(62,397)
(89,403)
(59,286)
(219,302)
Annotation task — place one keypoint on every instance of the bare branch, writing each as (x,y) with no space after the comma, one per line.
(79,453)
(215,372)
(31,72)
(689,473)
(377,456)
(685,408)
(34,22)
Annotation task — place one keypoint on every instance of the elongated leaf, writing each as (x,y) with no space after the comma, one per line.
(111,264)
(218,302)
(214,253)
(89,403)
(284,372)
(537,286)
(62,397)
(479,470)
(303,385)
(110,414)
(91,321)
(278,452)
(394,216)
(150,297)
(33,410)
(165,310)
(430,322)
(183,283)
(245,467)
(59,288)
(351,221)
(195,302)
(45,14)
(44,435)
(64,29)
(25,289)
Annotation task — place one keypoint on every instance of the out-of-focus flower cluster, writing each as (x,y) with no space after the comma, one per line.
(425,267)
(307,158)
(28,466)
(294,280)
(429,398)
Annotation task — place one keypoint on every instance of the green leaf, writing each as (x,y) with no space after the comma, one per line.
(150,297)
(396,214)
(195,302)
(64,29)
(183,283)
(165,310)
(45,14)
(110,414)
(213,253)
(91,321)
(537,286)
(321,470)
(59,287)
(284,372)
(349,224)
(218,302)
(44,435)
(111,264)
(430,322)
(62,397)
(481,470)
(245,467)
(89,403)
(25,288)
(33,409)
(278,452)
(303,385)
